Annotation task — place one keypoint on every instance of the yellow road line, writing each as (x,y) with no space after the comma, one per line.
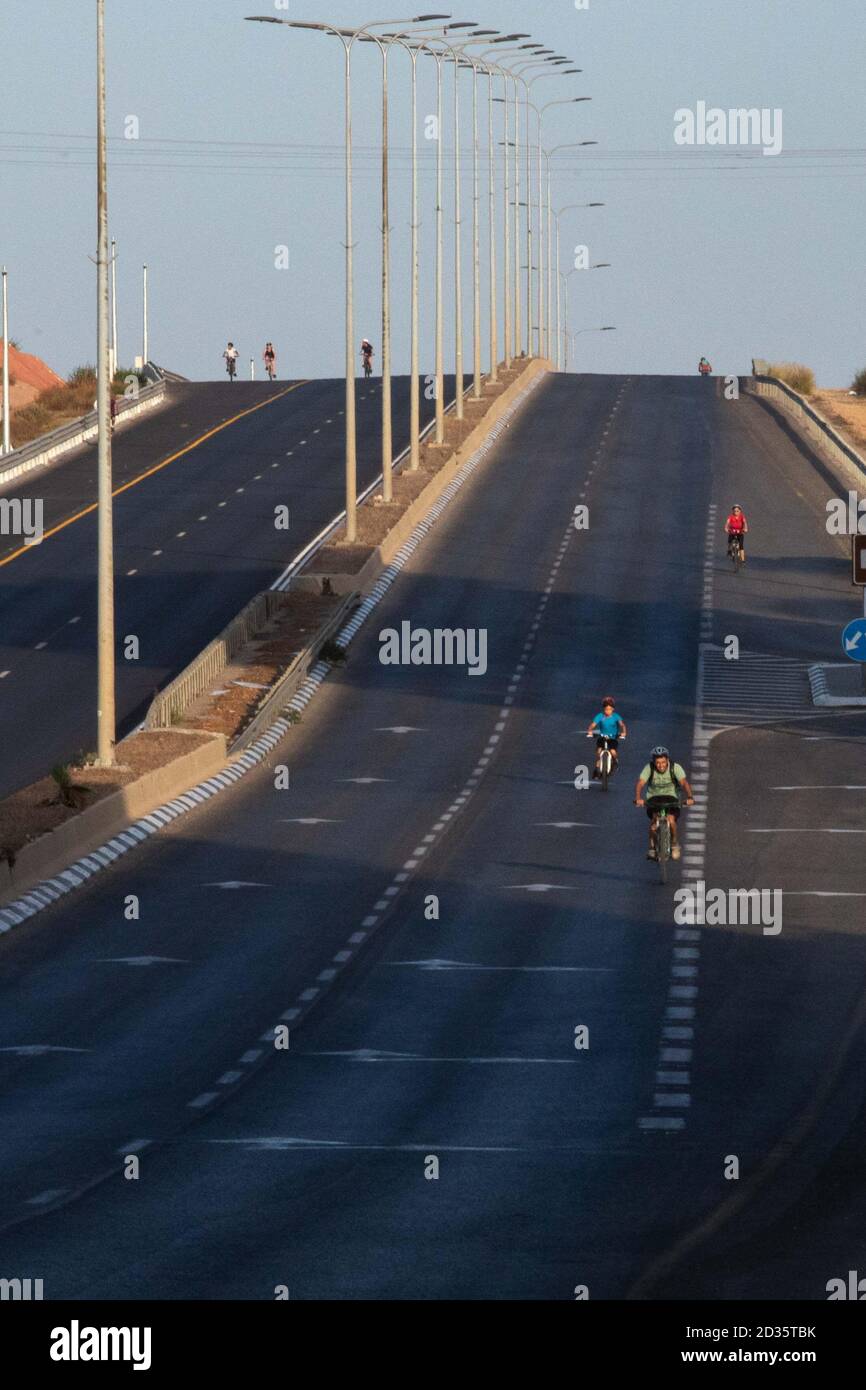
(133,482)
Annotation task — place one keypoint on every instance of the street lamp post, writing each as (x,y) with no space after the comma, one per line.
(7,411)
(347,38)
(569,207)
(105,713)
(600,265)
(145,349)
(607,328)
(548,155)
(113,307)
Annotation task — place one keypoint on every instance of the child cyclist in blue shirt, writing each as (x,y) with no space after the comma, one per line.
(609,727)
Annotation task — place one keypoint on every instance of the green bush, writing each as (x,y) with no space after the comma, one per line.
(795,375)
(82,375)
(859,383)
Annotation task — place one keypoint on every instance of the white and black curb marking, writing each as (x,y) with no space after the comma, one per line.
(672,1095)
(51,890)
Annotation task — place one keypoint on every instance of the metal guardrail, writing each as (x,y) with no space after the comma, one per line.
(282,691)
(60,441)
(179,694)
(816,429)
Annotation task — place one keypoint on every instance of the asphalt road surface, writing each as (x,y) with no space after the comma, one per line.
(195,540)
(438,913)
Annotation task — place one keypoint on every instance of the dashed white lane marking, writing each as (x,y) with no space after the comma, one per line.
(364,1054)
(79,872)
(815,893)
(130,573)
(4,674)
(134,1146)
(827,787)
(672,1073)
(495,969)
(180,535)
(40,646)
(808,830)
(229,1078)
(156,552)
(72,621)
(50,1195)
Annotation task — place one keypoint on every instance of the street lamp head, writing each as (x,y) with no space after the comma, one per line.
(428,18)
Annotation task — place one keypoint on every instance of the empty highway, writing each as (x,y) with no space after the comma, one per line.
(511,1072)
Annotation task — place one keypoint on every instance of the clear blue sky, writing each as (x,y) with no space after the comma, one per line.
(712,252)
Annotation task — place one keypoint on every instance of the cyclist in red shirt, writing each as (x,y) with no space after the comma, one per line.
(737,525)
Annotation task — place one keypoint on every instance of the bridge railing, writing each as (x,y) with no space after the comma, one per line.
(60,441)
(817,431)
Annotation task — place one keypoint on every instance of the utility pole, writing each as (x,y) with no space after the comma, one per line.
(113,307)
(105,639)
(144,316)
(7,410)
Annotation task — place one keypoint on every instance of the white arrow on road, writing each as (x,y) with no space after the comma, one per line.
(541,887)
(236,883)
(310,820)
(142,960)
(523,969)
(567,824)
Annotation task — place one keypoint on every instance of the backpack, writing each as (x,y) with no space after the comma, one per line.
(674,779)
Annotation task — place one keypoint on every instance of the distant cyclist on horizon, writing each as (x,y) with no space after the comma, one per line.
(269,357)
(231,355)
(704,367)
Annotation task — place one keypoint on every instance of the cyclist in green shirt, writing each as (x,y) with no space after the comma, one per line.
(663,780)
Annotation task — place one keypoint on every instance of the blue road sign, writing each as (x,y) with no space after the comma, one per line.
(854,640)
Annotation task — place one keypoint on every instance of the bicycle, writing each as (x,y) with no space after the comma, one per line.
(368,365)
(607,762)
(270,369)
(661,831)
(231,367)
(735,549)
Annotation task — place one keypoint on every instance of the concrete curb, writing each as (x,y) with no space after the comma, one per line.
(82,835)
(290,681)
(820,687)
(50,890)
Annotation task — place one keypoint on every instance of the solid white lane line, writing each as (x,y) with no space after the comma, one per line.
(808,830)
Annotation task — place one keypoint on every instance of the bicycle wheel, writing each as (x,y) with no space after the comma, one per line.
(605,768)
(663,846)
